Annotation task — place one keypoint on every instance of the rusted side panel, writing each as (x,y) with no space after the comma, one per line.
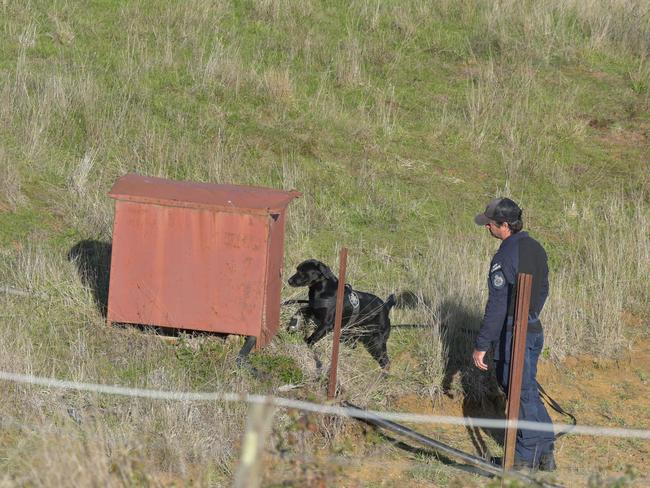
(197,269)
(273,278)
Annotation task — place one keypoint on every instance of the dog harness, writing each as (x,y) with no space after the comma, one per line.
(350,295)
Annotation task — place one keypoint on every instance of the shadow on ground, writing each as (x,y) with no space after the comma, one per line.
(482,397)
(424,452)
(480,393)
(93,261)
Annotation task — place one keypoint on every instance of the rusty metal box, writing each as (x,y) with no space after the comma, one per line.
(197,256)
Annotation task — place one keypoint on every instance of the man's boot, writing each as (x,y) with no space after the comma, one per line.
(521,465)
(547,462)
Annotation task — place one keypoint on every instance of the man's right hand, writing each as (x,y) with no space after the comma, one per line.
(479,357)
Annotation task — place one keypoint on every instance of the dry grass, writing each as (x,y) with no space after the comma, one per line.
(349,63)
(109,440)
(223,65)
(265,96)
(603,276)
(11,195)
(278,84)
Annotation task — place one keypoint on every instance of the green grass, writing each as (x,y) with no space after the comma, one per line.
(397,120)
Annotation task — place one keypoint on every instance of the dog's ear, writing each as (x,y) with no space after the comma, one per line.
(326,271)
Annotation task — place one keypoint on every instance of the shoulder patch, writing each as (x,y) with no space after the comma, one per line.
(498,280)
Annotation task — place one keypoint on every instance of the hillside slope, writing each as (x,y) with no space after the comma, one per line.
(397,120)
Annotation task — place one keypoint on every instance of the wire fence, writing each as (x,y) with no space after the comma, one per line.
(375,461)
(324,409)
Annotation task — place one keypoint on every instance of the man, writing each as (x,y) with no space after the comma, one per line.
(518,253)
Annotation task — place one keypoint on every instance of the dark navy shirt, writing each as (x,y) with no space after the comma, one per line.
(519,253)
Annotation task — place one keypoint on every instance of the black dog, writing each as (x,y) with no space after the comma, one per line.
(365,316)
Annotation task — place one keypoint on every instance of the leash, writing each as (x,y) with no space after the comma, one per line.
(558,408)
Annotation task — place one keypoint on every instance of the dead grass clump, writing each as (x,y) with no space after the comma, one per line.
(604,273)
(87,208)
(271,10)
(63,33)
(552,29)
(508,104)
(281,12)
(124,442)
(387,107)
(11,194)
(278,84)
(225,66)
(407,20)
(349,63)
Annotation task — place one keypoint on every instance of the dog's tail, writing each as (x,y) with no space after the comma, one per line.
(390,302)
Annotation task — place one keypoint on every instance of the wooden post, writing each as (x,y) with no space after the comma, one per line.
(338,318)
(259,423)
(517,357)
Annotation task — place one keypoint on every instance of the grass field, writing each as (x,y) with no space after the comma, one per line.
(398,121)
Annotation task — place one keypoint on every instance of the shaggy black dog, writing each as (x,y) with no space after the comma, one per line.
(365,316)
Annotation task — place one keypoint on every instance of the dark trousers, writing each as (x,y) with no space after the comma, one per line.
(530,443)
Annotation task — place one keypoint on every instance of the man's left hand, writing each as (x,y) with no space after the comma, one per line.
(479,357)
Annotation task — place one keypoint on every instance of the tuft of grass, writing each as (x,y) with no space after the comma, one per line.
(11,194)
(278,84)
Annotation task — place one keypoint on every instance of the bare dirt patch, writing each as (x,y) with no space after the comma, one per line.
(605,393)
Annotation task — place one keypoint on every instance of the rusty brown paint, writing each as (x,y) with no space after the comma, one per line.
(520,329)
(197,256)
(338,318)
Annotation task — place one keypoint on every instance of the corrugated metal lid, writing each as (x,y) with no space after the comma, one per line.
(161,191)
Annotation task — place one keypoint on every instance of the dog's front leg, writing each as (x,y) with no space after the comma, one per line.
(324,326)
(300,318)
(318,334)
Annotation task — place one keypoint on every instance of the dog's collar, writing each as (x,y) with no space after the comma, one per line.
(322,302)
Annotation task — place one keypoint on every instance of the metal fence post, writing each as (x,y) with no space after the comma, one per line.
(338,317)
(520,329)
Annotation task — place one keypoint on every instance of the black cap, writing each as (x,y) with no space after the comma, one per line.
(499,210)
